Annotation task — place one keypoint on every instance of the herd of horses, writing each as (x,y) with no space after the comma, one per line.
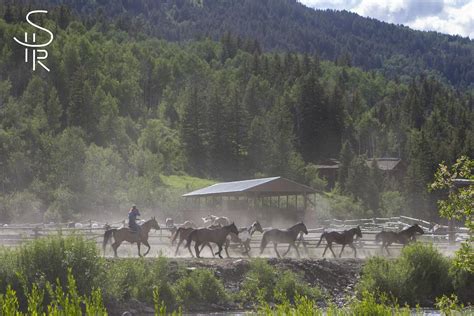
(222,233)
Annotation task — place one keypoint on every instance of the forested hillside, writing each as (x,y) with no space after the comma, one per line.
(121,111)
(286,25)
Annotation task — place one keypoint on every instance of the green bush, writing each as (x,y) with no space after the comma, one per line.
(265,283)
(49,260)
(289,286)
(136,278)
(463,283)
(129,278)
(200,287)
(418,276)
(259,282)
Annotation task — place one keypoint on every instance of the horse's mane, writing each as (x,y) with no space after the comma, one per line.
(296,225)
(410,229)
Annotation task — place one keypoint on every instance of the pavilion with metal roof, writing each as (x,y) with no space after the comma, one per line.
(267,195)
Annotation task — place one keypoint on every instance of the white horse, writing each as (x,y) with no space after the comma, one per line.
(212,220)
(189,224)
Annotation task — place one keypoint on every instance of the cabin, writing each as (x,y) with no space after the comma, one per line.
(390,167)
(272,201)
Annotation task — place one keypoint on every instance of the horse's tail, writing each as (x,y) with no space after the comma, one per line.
(378,237)
(176,234)
(321,239)
(107,235)
(264,242)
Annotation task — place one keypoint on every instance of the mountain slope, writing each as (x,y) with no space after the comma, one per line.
(286,25)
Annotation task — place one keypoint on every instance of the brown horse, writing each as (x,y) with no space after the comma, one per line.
(286,236)
(206,235)
(125,234)
(344,238)
(403,237)
(183,233)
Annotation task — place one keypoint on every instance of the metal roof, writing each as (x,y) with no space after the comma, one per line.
(265,186)
(384,163)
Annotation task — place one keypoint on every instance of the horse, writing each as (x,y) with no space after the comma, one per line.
(169,222)
(403,237)
(344,238)
(206,235)
(189,224)
(183,233)
(125,234)
(244,237)
(212,220)
(173,228)
(286,236)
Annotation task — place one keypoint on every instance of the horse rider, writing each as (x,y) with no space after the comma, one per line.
(132,219)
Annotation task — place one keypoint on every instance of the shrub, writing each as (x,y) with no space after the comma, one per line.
(463,283)
(259,282)
(264,283)
(136,278)
(289,286)
(428,272)
(49,260)
(129,278)
(200,287)
(418,276)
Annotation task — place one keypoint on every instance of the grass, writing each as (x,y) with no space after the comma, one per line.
(185,183)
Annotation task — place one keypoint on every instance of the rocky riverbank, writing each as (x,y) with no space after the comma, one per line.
(336,277)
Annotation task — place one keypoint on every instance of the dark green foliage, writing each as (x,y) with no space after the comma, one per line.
(136,279)
(284,25)
(121,108)
(200,287)
(418,276)
(463,283)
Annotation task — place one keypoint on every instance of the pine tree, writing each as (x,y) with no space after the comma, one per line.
(192,130)
(345,158)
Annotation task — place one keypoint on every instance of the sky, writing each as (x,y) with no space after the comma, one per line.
(455,17)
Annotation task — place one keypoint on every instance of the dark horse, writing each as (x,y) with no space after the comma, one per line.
(403,237)
(344,238)
(125,234)
(286,236)
(183,233)
(205,235)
